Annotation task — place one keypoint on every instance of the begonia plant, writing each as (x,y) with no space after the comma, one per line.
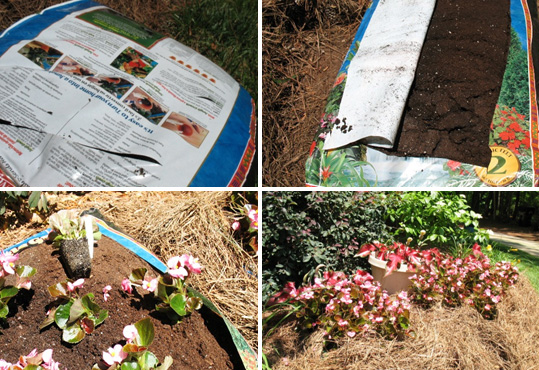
(396,255)
(245,224)
(76,315)
(472,280)
(343,305)
(134,355)
(7,269)
(33,361)
(170,288)
(68,225)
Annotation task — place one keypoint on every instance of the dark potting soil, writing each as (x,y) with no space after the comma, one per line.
(192,343)
(457,83)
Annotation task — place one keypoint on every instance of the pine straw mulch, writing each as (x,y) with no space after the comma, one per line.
(303,48)
(173,223)
(446,339)
(156,14)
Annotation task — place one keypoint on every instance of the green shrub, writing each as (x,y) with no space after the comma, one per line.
(301,230)
(446,217)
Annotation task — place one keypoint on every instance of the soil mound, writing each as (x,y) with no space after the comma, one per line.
(192,343)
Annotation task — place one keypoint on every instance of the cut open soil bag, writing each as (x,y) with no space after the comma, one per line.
(203,340)
(91,98)
(469,117)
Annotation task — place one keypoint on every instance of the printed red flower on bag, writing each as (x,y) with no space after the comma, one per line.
(510,129)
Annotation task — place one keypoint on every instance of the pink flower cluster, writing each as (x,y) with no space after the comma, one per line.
(7,267)
(181,267)
(351,305)
(7,263)
(44,360)
(471,280)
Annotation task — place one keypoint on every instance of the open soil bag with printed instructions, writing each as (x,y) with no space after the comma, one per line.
(202,339)
(91,98)
(434,93)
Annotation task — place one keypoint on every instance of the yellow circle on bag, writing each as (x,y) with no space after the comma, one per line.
(503,168)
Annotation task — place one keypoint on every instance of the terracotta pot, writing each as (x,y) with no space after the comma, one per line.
(396,281)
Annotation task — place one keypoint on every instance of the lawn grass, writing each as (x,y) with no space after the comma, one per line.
(527,264)
(224,31)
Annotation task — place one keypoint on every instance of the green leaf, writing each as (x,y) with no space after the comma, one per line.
(8,292)
(177,303)
(4,310)
(49,320)
(148,360)
(137,275)
(162,291)
(73,334)
(89,304)
(166,363)
(34,198)
(130,366)
(61,316)
(103,314)
(145,332)
(25,271)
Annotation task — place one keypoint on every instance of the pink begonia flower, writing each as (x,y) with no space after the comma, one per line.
(192,264)
(47,356)
(6,260)
(150,285)
(106,291)
(351,334)
(77,284)
(130,333)
(114,355)
(5,365)
(126,286)
(236,225)
(253,215)
(176,268)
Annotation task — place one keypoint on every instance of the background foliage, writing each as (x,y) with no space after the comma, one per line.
(302,230)
(445,216)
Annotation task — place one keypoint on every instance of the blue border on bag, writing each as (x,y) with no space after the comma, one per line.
(222,161)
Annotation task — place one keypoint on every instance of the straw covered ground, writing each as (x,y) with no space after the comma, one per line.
(446,339)
(173,223)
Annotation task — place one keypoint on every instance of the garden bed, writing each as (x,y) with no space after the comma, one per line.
(457,338)
(199,341)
